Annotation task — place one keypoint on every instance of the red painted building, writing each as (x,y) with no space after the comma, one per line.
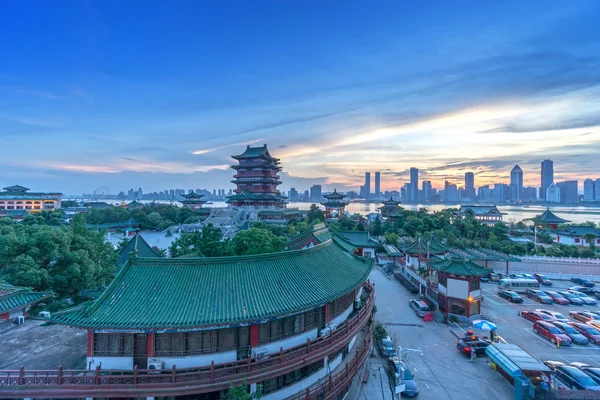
(335,204)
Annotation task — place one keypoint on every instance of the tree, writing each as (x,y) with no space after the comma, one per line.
(241,392)
(391,238)
(376,227)
(154,219)
(591,239)
(257,241)
(315,214)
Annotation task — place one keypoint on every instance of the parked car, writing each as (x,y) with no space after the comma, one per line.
(517,276)
(588,331)
(386,347)
(419,307)
(558,298)
(584,316)
(542,280)
(575,336)
(594,323)
(587,300)
(574,378)
(572,298)
(494,277)
(465,344)
(510,296)
(528,276)
(593,372)
(553,364)
(485,278)
(556,315)
(539,296)
(403,376)
(552,333)
(534,316)
(583,282)
(589,291)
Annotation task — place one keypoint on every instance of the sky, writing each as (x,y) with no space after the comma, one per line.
(159,95)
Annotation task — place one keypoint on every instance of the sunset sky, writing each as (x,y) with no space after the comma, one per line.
(146,93)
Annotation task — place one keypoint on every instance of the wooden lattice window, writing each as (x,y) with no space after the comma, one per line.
(113,344)
(194,343)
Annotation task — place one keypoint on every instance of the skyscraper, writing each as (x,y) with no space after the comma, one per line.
(568,192)
(469,185)
(367,187)
(597,189)
(516,183)
(426,190)
(377,185)
(547,177)
(413,194)
(316,193)
(589,190)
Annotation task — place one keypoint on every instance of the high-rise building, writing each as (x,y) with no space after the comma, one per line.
(516,183)
(367,188)
(450,192)
(500,192)
(293,194)
(413,194)
(529,194)
(597,190)
(589,190)
(426,191)
(316,192)
(377,185)
(469,191)
(553,194)
(547,177)
(568,191)
(485,193)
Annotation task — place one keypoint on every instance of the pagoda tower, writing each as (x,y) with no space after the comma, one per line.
(389,206)
(335,202)
(256,180)
(193,200)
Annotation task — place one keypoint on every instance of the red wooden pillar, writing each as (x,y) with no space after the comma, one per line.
(327,314)
(90,343)
(254,335)
(151,339)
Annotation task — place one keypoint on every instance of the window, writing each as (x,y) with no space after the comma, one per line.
(474,285)
(271,385)
(192,343)
(577,240)
(443,280)
(339,305)
(285,327)
(113,344)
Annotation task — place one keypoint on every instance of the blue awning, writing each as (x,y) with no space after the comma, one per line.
(513,359)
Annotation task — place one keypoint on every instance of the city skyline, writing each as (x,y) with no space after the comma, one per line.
(366,92)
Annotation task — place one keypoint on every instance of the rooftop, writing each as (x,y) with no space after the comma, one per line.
(16,297)
(254,152)
(176,293)
(549,218)
(579,231)
(138,246)
(479,210)
(458,266)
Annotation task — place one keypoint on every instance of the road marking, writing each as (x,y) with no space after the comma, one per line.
(427,385)
(568,362)
(540,338)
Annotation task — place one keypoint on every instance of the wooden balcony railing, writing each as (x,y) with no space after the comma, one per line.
(179,382)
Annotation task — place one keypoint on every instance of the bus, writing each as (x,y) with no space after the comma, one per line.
(518,285)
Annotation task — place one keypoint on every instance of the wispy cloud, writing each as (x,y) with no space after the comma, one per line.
(198,152)
(46,95)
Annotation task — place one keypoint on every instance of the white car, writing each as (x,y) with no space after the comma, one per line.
(529,276)
(556,315)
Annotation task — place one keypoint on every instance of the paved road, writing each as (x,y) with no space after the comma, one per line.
(441,372)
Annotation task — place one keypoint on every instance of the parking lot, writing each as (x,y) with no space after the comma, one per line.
(517,330)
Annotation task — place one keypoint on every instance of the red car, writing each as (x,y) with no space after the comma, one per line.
(552,333)
(584,316)
(534,316)
(558,298)
(588,331)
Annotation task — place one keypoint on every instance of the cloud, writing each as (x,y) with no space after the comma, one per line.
(198,152)
(46,95)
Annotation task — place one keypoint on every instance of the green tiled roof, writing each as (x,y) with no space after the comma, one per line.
(358,238)
(549,218)
(246,195)
(16,188)
(175,293)
(423,246)
(14,297)
(138,245)
(391,250)
(253,152)
(456,266)
(334,195)
(192,195)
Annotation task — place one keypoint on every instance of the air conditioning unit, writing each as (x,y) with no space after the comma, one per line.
(155,366)
(333,327)
(45,314)
(325,331)
(260,353)
(19,320)
(357,304)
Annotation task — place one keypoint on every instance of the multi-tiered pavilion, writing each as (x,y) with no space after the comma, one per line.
(335,204)
(389,206)
(193,200)
(256,180)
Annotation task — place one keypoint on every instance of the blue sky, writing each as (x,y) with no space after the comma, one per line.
(160,94)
